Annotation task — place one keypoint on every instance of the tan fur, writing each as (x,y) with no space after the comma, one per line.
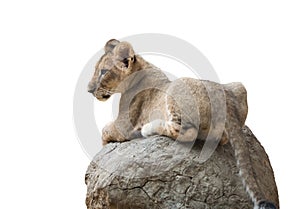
(184,109)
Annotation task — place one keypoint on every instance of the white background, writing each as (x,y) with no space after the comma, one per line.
(45,44)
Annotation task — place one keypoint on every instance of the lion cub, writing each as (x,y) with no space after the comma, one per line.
(185,109)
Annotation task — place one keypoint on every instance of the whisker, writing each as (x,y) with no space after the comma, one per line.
(108,91)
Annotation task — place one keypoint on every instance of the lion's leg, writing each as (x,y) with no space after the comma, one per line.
(170,129)
(188,133)
(111,134)
(160,127)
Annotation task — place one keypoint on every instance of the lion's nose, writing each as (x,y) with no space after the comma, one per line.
(91,88)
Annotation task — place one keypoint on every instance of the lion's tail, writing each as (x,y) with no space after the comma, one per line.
(237,109)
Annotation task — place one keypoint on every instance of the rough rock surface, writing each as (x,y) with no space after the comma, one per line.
(158,173)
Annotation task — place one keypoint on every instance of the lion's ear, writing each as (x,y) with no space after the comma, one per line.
(124,53)
(110,45)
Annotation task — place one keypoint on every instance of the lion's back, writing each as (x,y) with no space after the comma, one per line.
(207,102)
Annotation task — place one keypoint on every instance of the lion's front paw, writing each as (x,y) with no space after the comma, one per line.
(111,134)
(106,137)
(107,133)
(153,128)
(147,130)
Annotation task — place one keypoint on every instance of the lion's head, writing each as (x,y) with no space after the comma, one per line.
(113,67)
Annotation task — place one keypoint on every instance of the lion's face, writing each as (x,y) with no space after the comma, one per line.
(112,68)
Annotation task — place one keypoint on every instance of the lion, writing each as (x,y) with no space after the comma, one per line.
(185,109)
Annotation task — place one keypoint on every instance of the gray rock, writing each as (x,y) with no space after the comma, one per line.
(159,173)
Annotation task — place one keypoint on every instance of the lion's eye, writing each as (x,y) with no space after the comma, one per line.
(103,71)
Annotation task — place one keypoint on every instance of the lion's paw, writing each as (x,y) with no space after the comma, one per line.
(152,128)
